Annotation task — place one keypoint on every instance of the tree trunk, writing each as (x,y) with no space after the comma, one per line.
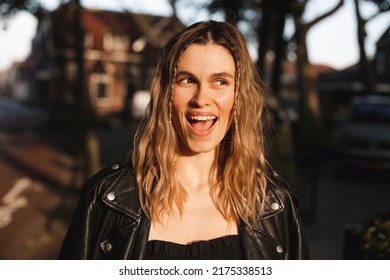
(309,103)
(310,100)
(90,145)
(263,36)
(279,46)
(365,65)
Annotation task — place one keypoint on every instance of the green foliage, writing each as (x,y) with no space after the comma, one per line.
(376,238)
(9,8)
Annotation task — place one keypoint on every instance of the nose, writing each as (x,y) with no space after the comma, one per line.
(201,97)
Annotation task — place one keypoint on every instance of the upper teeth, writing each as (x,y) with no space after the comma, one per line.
(202,118)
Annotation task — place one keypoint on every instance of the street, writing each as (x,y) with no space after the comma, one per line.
(343,203)
(33,215)
(37,199)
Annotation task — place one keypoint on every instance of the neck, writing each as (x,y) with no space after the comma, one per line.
(197,171)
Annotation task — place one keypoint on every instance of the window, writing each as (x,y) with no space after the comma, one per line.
(101,92)
(100,89)
(115,42)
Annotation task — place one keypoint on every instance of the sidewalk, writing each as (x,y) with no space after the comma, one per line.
(33,154)
(38,197)
(56,163)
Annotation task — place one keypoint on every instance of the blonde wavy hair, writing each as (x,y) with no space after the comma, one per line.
(239,193)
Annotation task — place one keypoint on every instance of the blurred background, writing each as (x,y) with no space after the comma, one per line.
(74,78)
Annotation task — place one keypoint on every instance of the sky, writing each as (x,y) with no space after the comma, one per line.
(332,42)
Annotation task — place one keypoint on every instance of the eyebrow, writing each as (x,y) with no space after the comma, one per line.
(222,74)
(214,75)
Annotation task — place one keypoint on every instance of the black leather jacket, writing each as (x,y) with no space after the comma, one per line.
(110,224)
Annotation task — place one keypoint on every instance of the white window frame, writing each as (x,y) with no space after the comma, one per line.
(116,42)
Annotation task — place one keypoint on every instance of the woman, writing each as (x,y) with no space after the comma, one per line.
(198,186)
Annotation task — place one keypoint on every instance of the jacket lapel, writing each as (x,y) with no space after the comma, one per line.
(122,195)
(256,243)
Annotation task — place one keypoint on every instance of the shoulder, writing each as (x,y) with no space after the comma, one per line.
(105,176)
(115,186)
(279,196)
(279,184)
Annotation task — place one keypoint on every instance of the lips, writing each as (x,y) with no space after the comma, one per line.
(201,124)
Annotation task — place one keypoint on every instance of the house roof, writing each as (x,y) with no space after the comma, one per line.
(100,22)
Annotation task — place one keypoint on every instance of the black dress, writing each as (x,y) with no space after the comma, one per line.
(223,248)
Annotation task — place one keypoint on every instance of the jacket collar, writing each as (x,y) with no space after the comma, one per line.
(122,195)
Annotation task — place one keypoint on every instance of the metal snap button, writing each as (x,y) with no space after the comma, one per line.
(111,196)
(107,246)
(275,206)
(115,166)
(279,249)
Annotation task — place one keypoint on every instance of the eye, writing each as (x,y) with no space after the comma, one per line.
(187,80)
(221,82)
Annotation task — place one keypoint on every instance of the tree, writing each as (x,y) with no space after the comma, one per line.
(270,33)
(366,70)
(230,8)
(86,118)
(173,6)
(8,8)
(309,99)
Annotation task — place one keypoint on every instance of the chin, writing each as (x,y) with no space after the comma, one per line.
(198,148)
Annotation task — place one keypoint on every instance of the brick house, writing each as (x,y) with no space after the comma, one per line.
(120,55)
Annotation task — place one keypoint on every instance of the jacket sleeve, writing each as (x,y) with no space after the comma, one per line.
(77,242)
(81,239)
(298,246)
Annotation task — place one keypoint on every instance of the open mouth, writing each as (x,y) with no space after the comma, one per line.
(201,123)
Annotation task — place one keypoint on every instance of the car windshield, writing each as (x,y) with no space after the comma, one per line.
(370,113)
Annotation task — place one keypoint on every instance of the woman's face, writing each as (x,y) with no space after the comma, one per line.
(203,97)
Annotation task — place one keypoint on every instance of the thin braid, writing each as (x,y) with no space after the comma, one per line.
(170,101)
(238,77)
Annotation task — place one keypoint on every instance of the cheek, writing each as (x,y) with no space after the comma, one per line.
(179,101)
(226,103)
(179,104)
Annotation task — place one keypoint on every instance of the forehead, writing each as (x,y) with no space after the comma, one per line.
(206,57)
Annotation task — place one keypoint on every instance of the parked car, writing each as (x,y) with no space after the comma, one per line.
(365,135)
